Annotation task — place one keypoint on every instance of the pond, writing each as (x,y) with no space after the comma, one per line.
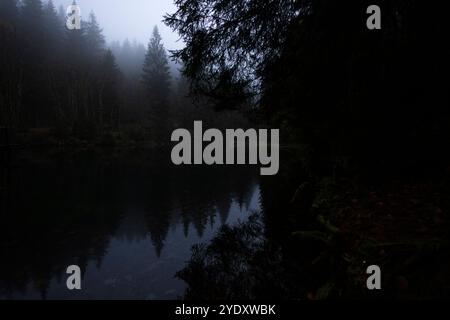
(128,219)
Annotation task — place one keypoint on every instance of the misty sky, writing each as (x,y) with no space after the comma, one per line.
(133,19)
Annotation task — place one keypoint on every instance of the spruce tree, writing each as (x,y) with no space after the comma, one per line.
(94,37)
(53,29)
(76,44)
(156,78)
(109,91)
(62,15)
(31,20)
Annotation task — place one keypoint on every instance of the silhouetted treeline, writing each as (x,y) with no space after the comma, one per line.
(68,80)
(52,76)
(317,72)
(67,208)
(69,87)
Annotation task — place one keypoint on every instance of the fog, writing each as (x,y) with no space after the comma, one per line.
(132,19)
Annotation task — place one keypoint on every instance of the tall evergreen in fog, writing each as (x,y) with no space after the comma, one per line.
(94,38)
(156,78)
(31,16)
(109,91)
(75,44)
(53,29)
(62,15)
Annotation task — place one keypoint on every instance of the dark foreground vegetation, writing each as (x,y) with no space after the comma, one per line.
(363,114)
(368,114)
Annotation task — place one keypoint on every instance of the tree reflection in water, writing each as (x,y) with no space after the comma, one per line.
(128,221)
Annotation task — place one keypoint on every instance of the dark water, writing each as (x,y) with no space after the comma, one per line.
(128,220)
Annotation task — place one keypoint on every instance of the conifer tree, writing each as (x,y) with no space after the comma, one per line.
(52,28)
(76,44)
(94,37)
(62,15)
(156,77)
(32,20)
(109,88)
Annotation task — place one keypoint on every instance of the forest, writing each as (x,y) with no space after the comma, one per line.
(363,117)
(69,87)
(364,124)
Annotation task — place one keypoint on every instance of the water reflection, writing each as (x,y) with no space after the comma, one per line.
(128,220)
